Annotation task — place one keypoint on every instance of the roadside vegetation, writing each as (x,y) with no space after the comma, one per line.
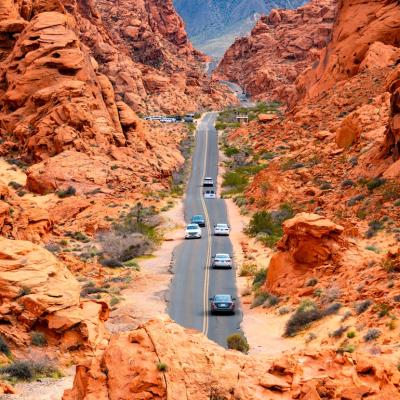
(227,118)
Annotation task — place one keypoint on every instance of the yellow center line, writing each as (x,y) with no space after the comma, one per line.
(208,257)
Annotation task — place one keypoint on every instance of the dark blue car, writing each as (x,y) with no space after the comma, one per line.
(199,220)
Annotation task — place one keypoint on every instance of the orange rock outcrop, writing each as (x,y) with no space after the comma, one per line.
(196,368)
(281,46)
(40,293)
(365,36)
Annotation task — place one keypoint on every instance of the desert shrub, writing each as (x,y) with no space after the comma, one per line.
(362,306)
(383,309)
(111,263)
(375,183)
(339,332)
(259,278)
(70,191)
(259,299)
(372,334)
(306,313)
(79,236)
(346,348)
(52,247)
(132,264)
(397,298)
(38,339)
(248,269)
(284,310)
(4,347)
(311,282)
(347,183)
(15,185)
(92,289)
(234,179)
(330,294)
(332,309)
(351,334)
(356,199)
(268,225)
(346,315)
(124,247)
(374,227)
(272,301)
(27,370)
(230,151)
(161,366)
(237,341)
(268,155)
(24,291)
(291,164)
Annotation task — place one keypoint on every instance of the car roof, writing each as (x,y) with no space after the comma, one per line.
(193,226)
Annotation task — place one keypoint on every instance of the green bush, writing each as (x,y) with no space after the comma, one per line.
(351,334)
(311,282)
(234,179)
(230,151)
(27,370)
(375,183)
(259,299)
(162,367)
(237,341)
(306,313)
(70,191)
(259,278)
(38,339)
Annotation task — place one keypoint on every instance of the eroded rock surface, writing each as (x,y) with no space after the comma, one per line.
(282,45)
(39,293)
(196,368)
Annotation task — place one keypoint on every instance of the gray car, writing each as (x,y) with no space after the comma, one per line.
(222,260)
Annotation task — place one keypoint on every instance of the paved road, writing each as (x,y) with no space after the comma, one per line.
(245,101)
(194,281)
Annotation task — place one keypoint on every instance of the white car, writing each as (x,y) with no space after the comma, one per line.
(222,260)
(193,231)
(208,181)
(221,230)
(210,194)
(168,119)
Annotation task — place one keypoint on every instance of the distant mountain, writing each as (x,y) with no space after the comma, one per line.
(213,25)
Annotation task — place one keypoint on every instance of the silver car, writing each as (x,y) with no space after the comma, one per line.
(210,194)
(222,260)
(221,230)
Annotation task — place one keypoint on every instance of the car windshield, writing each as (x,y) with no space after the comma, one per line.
(222,226)
(222,297)
(224,256)
(208,179)
(192,227)
(197,218)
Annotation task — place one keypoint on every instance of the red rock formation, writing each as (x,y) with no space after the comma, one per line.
(279,48)
(21,219)
(38,292)
(309,241)
(197,368)
(364,33)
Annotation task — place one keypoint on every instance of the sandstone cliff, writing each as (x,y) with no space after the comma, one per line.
(282,45)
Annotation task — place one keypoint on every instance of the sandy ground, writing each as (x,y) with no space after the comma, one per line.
(46,389)
(146,297)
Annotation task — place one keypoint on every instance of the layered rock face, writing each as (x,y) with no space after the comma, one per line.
(39,293)
(365,36)
(281,46)
(196,368)
(63,114)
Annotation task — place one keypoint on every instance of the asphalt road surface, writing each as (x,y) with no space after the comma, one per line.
(194,280)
